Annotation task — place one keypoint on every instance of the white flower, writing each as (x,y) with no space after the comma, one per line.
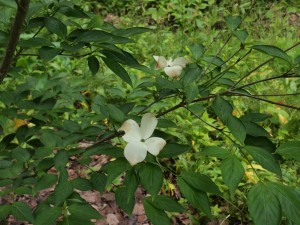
(138,138)
(172,68)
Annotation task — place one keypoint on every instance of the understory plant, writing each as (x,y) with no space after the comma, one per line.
(48,112)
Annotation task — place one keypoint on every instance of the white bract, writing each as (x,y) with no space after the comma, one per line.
(139,139)
(172,68)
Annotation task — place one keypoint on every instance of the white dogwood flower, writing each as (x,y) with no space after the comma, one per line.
(172,68)
(139,139)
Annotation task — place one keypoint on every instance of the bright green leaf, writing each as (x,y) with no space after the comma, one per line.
(241,35)
(233,22)
(197,50)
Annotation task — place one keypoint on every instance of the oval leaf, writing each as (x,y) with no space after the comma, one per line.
(272,51)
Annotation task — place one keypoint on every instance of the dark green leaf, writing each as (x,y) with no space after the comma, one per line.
(115,113)
(255,130)
(21,154)
(48,53)
(264,158)
(166,203)
(254,117)
(100,36)
(55,26)
(272,51)
(289,201)
(197,198)
(222,108)
(151,177)
(233,22)
(84,211)
(22,211)
(290,150)
(191,73)
(115,168)
(72,12)
(46,181)
(197,50)
(117,69)
(47,216)
(61,159)
(5,210)
(82,184)
(125,200)
(62,191)
(215,151)
(232,173)
(214,60)
(128,32)
(173,150)
(191,92)
(155,215)
(200,182)
(99,181)
(263,206)
(93,64)
(34,42)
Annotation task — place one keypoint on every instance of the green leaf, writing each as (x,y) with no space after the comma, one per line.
(34,42)
(191,73)
(22,211)
(115,113)
(62,191)
(215,151)
(241,35)
(99,36)
(115,168)
(46,181)
(5,210)
(118,70)
(222,108)
(93,64)
(20,154)
(172,150)
(125,200)
(289,201)
(72,12)
(214,60)
(191,92)
(155,215)
(197,50)
(290,150)
(151,177)
(197,198)
(48,53)
(237,128)
(166,203)
(264,158)
(61,159)
(84,211)
(263,206)
(82,184)
(232,173)
(131,181)
(272,51)
(47,216)
(128,32)
(233,22)
(254,117)
(200,182)
(55,26)
(99,181)
(255,130)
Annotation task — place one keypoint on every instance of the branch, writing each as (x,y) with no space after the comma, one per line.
(14,36)
(264,100)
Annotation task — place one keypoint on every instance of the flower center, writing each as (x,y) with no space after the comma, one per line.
(143,140)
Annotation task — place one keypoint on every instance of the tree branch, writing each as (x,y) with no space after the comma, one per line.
(14,36)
